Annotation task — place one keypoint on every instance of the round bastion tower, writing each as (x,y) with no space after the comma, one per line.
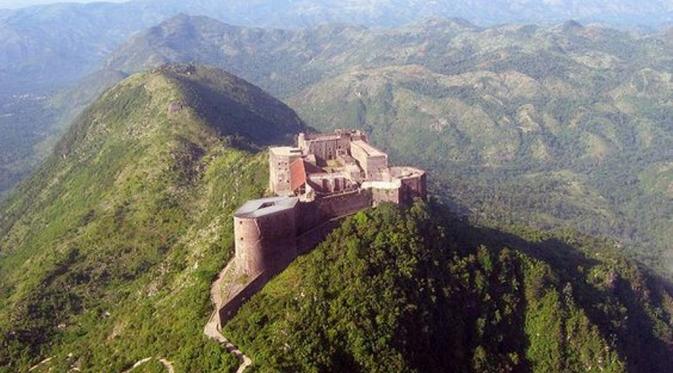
(265,233)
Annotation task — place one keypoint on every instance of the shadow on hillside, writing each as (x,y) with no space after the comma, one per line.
(634,336)
(237,109)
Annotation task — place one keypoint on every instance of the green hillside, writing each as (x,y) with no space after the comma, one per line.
(107,253)
(551,126)
(418,290)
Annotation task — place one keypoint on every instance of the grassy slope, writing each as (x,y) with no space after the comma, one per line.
(417,290)
(550,126)
(108,252)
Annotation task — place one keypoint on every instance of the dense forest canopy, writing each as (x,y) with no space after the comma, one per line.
(561,126)
(545,246)
(419,290)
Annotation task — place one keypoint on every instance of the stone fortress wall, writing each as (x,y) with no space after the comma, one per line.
(265,241)
(323,179)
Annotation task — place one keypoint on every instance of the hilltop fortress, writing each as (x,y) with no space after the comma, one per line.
(324,178)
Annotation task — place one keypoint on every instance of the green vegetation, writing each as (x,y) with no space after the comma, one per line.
(108,252)
(555,126)
(419,290)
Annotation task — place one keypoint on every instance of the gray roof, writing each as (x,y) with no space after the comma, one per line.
(266,206)
(370,150)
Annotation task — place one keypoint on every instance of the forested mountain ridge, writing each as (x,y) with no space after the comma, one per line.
(108,251)
(551,126)
(47,46)
(44,49)
(419,291)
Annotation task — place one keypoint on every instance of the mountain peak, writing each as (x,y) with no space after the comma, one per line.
(136,195)
(571,25)
(211,99)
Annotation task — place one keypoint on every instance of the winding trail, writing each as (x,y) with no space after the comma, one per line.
(138,363)
(166,363)
(213,327)
(45,361)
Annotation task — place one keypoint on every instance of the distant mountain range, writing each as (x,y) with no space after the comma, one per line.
(554,126)
(56,43)
(44,49)
(561,125)
(108,253)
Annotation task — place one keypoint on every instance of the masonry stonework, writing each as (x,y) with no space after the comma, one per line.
(317,183)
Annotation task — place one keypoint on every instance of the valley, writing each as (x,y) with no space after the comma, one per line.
(545,126)
(181,192)
(151,174)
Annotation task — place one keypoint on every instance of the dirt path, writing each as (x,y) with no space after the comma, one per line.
(166,363)
(138,363)
(213,327)
(45,361)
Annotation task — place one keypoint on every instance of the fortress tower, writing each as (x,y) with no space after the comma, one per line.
(265,231)
(317,183)
(280,160)
(324,178)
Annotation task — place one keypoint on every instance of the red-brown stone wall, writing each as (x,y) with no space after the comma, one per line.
(265,243)
(234,303)
(385,195)
(414,187)
(343,204)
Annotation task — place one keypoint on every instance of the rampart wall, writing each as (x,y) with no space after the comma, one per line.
(343,204)
(234,302)
(413,187)
(303,243)
(266,242)
(381,195)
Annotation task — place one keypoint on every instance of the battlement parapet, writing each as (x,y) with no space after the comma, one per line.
(323,179)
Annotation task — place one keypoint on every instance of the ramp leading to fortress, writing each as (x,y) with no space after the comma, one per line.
(317,183)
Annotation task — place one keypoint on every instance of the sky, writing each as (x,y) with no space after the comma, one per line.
(21,3)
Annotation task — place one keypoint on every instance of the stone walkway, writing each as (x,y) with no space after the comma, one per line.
(213,327)
(138,363)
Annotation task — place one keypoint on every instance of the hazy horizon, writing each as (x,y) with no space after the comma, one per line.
(14,4)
